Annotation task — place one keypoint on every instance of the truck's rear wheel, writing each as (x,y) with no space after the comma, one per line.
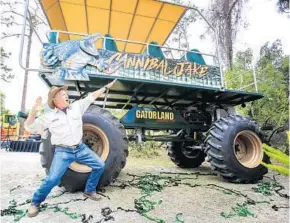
(235,151)
(104,134)
(183,156)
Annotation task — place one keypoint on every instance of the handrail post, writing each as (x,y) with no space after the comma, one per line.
(255,77)
(22,34)
(22,43)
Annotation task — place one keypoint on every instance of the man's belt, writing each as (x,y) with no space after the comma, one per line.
(71,147)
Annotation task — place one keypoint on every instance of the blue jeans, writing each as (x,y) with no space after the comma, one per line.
(62,159)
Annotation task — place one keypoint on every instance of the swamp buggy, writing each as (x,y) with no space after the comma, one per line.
(94,42)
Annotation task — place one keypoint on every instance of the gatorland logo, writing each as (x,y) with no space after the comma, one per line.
(155,115)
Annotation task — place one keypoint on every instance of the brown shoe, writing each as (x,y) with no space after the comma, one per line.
(33,210)
(94,196)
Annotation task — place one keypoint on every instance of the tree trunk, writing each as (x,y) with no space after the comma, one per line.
(230,42)
(229,31)
(24,91)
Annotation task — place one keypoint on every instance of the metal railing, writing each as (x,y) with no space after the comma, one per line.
(25,18)
(240,80)
(132,41)
(217,57)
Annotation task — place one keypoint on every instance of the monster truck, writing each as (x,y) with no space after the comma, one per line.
(162,88)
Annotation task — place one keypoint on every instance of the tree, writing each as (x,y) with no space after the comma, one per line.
(225,15)
(283,6)
(272,70)
(10,17)
(180,35)
(241,73)
(271,54)
(2,104)
(6,72)
(285,70)
(6,75)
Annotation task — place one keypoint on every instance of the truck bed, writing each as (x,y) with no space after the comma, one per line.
(129,92)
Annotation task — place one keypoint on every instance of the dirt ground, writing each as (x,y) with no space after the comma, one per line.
(203,201)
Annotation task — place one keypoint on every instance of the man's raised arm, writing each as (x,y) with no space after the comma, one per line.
(85,103)
(35,125)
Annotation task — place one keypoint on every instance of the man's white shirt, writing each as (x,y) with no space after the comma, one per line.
(65,129)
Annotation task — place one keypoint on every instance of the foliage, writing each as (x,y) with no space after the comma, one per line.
(241,73)
(180,35)
(11,17)
(148,149)
(6,74)
(283,6)
(272,70)
(2,104)
(118,112)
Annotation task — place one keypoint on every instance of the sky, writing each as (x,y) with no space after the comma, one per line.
(264,24)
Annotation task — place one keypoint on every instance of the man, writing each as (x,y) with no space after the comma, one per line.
(65,126)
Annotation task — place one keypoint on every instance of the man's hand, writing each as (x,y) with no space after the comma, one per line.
(109,85)
(35,108)
(99,92)
(37,105)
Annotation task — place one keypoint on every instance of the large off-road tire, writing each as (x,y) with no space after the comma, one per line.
(184,158)
(234,149)
(104,134)
(46,151)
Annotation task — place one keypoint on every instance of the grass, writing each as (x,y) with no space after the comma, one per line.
(145,150)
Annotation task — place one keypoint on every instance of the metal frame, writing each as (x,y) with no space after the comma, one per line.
(132,41)
(211,26)
(35,31)
(157,98)
(26,17)
(106,97)
(110,16)
(84,34)
(153,25)
(132,21)
(58,2)
(133,95)
(184,100)
(164,138)
(255,81)
(255,78)
(86,12)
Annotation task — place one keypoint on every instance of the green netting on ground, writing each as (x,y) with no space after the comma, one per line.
(149,185)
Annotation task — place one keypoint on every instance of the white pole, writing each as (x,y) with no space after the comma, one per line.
(254,73)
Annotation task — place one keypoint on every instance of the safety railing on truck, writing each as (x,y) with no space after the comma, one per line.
(245,81)
(215,79)
(153,63)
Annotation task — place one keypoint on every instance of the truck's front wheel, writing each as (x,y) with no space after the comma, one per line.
(104,134)
(235,151)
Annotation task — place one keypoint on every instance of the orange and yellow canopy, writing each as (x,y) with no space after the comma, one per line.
(137,20)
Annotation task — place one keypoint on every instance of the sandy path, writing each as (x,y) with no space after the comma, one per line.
(197,204)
